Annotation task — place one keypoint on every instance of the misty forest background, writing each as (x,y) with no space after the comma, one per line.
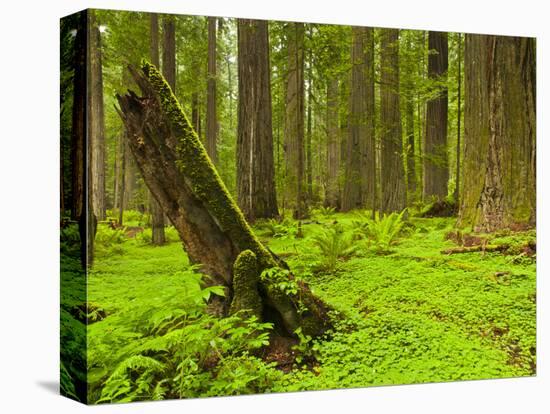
(393,170)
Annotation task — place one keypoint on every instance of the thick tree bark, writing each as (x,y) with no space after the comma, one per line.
(157,215)
(96,129)
(499,185)
(255,164)
(177,170)
(211,110)
(392,169)
(294,121)
(332,195)
(436,169)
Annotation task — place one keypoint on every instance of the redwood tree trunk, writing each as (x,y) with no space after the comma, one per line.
(436,171)
(392,169)
(355,165)
(255,164)
(499,174)
(332,196)
(294,120)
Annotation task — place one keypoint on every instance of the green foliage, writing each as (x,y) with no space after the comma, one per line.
(382,231)
(273,228)
(334,245)
(165,345)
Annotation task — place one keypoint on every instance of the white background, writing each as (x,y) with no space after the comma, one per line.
(29,205)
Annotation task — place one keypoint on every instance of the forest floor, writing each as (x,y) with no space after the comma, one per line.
(408,313)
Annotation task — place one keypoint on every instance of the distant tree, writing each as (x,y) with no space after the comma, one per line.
(436,168)
(499,175)
(391,162)
(255,164)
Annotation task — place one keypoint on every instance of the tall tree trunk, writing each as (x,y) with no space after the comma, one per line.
(97,119)
(255,163)
(392,169)
(356,144)
(157,215)
(309,125)
(294,120)
(436,169)
(369,178)
(458,120)
(169,50)
(211,110)
(332,197)
(499,175)
(211,226)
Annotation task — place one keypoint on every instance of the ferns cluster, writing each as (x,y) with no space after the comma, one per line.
(171,348)
(334,244)
(381,231)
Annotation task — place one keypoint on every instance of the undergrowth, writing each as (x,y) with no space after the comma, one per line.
(406,313)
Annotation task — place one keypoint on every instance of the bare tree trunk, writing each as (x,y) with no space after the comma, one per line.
(211,111)
(332,197)
(436,168)
(294,121)
(157,215)
(499,171)
(97,119)
(392,169)
(211,226)
(255,164)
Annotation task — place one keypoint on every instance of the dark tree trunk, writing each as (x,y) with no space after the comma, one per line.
(255,164)
(213,230)
(211,111)
(436,169)
(332,196)
(157,215)
(294,120)
(392,169)
(499,174)
(96,131)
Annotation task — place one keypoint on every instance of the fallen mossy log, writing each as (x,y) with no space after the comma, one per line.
(479,248)
(178,172)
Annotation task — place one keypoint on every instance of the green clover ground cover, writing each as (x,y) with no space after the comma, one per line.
(404,314)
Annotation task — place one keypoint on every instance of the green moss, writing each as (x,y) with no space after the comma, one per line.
(245,285)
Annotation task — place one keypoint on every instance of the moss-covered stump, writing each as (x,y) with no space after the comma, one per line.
(245,286)
(180,175)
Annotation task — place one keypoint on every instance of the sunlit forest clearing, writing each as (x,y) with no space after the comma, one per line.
(276,206)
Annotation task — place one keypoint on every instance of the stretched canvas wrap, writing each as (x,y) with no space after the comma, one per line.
(255,206)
